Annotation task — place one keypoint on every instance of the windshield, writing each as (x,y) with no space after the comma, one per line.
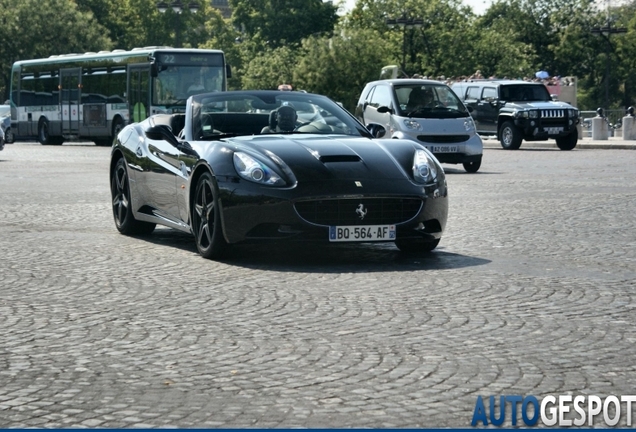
(236,113)
(175,84)
(429,101)
(525,93)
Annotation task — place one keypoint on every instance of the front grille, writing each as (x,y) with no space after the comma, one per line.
(443,139)
(375,211)
(552,113)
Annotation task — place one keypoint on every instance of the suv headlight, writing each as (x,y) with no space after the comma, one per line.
(527,114)
(573,113)
(424,167)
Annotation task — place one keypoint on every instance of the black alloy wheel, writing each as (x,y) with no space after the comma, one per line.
(122,209)
(206,219)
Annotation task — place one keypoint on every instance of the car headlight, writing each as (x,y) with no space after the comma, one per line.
(533,114)
(573,113)
(469,124)
(256,171)
(412,124)
(424,167)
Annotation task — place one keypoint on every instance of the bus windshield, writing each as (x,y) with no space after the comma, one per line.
(175,84)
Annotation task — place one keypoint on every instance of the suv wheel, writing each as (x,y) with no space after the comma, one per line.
(510,136)
(568,142)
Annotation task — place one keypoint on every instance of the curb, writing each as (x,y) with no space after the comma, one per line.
(610,144)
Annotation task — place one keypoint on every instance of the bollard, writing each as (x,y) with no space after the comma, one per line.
(600,131)
(629,125)
(628,128)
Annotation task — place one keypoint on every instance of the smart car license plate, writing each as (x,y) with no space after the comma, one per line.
(443,149)
(554,130)
(361,233)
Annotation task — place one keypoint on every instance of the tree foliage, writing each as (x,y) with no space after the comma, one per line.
(275,23)
(39,28)
(305,43)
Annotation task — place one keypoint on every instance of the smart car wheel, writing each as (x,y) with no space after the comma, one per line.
(411,246)
(510,136)
(472,167)
(568,142)
(206,219)
(122,208)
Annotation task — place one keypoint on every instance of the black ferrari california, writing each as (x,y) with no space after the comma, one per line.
(253,166)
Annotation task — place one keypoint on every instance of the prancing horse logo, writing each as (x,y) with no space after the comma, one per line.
(361,211)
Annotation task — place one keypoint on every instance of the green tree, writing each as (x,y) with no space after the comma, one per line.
(40,28)
(269,69)
(340,66)
(275,23)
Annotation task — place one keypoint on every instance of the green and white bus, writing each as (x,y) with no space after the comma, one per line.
(92,96)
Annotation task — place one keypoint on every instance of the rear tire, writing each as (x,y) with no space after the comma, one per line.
(122,206)
(472,167)
(568,142)
(509,136)
(414,246)
(44,136)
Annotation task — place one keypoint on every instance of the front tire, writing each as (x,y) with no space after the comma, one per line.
(568,142)
(414,246)
(509,136)
(472,167)
(206,219)
(122,206)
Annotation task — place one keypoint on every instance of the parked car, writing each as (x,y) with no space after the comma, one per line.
(5,123)
(1,139)
(424,111)
(516,110)
(241,166)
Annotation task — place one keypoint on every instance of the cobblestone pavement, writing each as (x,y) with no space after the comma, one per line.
(530,292)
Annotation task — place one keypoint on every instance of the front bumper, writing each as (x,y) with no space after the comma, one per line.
(252,213)
(540,129)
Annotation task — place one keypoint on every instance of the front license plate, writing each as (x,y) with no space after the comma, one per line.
(554,130)
(443,149)
(361,233)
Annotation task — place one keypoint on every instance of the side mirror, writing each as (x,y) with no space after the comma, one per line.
(470,109)
(554,97)
(376,130)
(161,132)
(385,109)
(228,71)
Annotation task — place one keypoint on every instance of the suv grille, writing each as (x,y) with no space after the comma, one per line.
(379,211)
(552,113)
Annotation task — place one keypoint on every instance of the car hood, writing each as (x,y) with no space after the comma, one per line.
(330,157)
(539,105)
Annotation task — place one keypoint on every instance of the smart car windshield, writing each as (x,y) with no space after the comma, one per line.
(429,101)
(239,113)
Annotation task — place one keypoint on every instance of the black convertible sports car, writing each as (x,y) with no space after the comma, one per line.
(243,166)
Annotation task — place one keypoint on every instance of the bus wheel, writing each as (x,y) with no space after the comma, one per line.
(43,134)
(118,125)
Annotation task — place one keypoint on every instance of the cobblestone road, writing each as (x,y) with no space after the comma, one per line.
(530,292)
